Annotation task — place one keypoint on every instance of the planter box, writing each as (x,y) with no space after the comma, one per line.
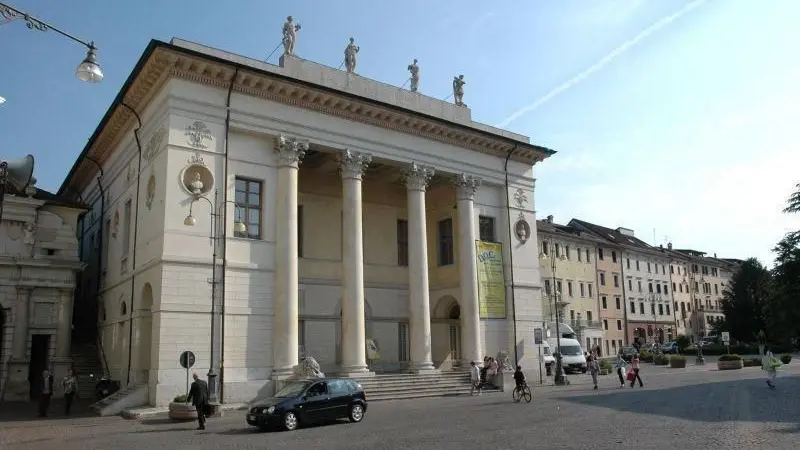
(677,363)
(182,411)
(730,365)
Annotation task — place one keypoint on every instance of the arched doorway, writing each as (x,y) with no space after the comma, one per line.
(446,333)
(143,334)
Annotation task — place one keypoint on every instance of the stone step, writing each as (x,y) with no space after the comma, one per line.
(412,395)
(395,385)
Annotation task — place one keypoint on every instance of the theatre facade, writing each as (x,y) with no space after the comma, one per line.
(327,215)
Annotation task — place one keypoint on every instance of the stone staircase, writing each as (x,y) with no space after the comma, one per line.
(129,397)
(407,385)
(87,367)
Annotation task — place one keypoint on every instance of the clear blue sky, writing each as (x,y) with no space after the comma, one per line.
(678,118)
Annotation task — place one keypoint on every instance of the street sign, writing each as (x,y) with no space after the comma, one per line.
(187,360)
(537,336)
(726,337)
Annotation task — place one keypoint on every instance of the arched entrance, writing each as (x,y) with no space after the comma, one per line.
(446,333)
(143,334)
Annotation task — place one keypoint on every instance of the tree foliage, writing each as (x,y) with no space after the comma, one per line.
(744,300)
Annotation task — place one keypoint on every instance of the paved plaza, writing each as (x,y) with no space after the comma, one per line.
(695,408)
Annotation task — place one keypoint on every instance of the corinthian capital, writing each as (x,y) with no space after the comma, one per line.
(417,177)
(466,186)
(353,164)
(290,151)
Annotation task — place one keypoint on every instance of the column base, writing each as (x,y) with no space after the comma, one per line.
(422,367)
(18,387)
(351,373)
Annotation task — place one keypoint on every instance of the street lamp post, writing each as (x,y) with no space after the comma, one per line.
(239,227)
(88,70)
(559,379)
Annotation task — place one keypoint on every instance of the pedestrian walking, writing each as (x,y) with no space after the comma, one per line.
(635,367)
(770,364)
(70,385)
(475,379)
(198,395)
(594,369)
(45,392)
(619,366)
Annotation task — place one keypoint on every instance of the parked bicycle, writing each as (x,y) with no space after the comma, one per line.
(521,392)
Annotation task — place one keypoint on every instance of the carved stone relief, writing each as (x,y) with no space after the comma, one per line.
(154,143)
(197,133)
(196,179)
(151,191)
(520,198)
(522,229)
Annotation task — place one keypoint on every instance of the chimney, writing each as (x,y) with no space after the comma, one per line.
(669,245)
(625,231)
(661,246)
(715,255)
(550,218)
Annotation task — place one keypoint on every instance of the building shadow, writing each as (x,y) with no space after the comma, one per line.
(748,400)
(29,411)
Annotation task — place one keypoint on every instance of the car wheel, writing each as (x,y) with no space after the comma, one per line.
(289,421)
(584,370)
(356,413)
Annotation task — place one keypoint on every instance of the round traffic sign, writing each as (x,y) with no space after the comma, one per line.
(187,359)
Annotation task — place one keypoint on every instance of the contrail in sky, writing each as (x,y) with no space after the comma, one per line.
(604,61)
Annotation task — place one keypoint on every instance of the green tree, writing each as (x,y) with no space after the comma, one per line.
(682,342)
(718,325)
(783,311)
(745,299)
(793,203)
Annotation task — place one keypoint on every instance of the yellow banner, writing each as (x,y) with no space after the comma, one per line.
(491,281)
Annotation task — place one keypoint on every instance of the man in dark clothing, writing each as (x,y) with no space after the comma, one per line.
(519,377)
(198,395)
(46,392)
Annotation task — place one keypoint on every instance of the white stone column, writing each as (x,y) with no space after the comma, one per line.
(19,344)
(466,185)
(416,179)
(285,340)
(64,330)
(354,353)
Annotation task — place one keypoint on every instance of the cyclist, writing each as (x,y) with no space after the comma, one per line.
(519,377)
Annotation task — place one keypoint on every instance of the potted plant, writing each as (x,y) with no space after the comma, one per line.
(730,362)
(677,362)
(605,367)
(660,360)
(180,410)
(786,359)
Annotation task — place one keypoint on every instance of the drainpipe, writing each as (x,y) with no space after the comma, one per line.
(511,255)
(135,234)
(101,231)
(224,243)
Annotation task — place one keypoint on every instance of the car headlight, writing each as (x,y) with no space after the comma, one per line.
(269,410)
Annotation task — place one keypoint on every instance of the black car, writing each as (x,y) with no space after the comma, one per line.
(627,353)
(307,401)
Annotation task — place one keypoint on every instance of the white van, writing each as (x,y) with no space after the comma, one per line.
(572,358)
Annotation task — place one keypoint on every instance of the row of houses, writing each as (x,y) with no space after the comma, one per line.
(615,289)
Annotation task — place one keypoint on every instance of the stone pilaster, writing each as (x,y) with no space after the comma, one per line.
(416,179)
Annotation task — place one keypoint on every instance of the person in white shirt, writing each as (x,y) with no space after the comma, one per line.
(768,364)
(475,379)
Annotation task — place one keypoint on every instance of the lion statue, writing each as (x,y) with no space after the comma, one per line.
(503,362)
(308,368)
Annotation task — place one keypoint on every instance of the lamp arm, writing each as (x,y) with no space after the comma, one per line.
(33,23)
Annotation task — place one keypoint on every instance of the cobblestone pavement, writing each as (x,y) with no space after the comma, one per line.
(695,408)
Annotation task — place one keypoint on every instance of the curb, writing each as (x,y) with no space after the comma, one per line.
(143,413)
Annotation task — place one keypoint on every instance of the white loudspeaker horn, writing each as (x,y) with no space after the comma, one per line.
(18,172)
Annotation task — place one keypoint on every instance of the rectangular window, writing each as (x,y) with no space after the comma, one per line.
(600,254)
(648,267)
(567,252)
(641,308)
(588,259)
(545,248)
(637,265)
(446,257)
(547,287)
(716,289)
(614,256)
(580,256)
(248,208)
(588,316)
(486,228)
(658,289)
(650,287)
(640,285)
(126,228)
(628,263)
(602,279)
(666,289)
(618,302)
(604,301)
(619,327)
(569,288)
(616,280)
(663,269)
(402,242)
(402,340)
(653,309)
(671,269)
(633,307)
(589,288)
(667,306)
(630,284)
(660,309)
(559,288)
(673,287)
(605,324)
(583,292)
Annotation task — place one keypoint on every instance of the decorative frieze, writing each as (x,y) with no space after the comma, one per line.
(197,133)
(353,164)
(417,177)
(290,151)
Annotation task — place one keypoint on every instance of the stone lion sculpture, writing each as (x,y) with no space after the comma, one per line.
(308,368)
(503,362)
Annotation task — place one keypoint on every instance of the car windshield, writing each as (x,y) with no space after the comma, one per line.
(292,389)
(547,351)
(571,350)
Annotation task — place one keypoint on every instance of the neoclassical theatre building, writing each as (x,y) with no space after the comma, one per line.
(370,227)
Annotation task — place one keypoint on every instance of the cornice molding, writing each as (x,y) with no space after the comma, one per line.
(165,63)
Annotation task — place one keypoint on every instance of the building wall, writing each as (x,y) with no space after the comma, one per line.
(646,270)
(612,313)
(685,313)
